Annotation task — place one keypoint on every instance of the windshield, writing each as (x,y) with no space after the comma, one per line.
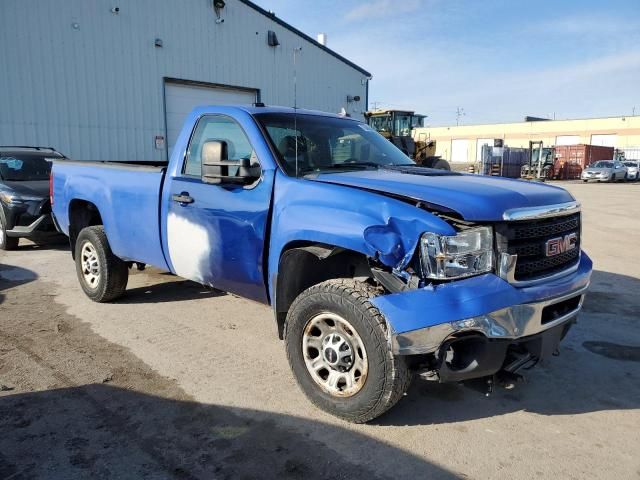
(381,123)
(402,125)
(603,164)
(631,164)
(328,143)
(23,168)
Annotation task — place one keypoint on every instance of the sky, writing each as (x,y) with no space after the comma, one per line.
(496,60)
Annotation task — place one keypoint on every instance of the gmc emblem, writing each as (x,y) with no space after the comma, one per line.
(559,245)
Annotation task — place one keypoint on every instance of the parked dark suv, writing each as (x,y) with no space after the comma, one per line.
(25,209)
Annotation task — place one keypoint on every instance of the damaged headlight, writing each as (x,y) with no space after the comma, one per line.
(470,252)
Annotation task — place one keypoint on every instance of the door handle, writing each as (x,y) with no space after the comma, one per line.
(182,198)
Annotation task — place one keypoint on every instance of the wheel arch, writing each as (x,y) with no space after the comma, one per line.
(303,264)
(82,214)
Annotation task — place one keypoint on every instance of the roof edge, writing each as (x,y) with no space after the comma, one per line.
(311,40)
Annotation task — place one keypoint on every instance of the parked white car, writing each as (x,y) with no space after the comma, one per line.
(633,169)
(605,171)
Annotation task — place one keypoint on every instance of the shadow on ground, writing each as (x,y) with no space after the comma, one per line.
(60,243)
(11,276)
(100,431)
(173,291)
(598,369)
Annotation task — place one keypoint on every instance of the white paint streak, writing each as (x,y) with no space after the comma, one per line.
(189,247)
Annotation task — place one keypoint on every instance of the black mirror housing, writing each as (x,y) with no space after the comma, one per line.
(218,169)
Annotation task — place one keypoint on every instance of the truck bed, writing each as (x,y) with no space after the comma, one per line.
(132,189)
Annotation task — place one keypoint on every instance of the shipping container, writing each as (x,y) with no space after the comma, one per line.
(570,160)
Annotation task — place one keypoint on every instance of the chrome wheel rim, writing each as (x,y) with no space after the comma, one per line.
(90,264)
(334,355)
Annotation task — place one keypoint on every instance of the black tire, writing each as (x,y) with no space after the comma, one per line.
(442,165)
(585,181)
(6,243)
(113,273)
(388,376)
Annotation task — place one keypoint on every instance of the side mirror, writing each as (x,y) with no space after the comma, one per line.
(218,169)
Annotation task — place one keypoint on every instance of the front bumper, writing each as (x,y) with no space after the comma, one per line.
(42,226)
(595,176)
(423,320)
(29,219)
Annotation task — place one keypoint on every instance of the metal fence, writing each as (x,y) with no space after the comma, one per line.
(503,162)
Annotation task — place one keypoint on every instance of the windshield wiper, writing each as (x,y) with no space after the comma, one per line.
(356,166)
(341,166)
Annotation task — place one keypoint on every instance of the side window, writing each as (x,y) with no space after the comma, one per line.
(220,128)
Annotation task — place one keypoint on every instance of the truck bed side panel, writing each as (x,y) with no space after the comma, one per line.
(127,198)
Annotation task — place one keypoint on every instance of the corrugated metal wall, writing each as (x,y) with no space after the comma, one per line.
(88,82)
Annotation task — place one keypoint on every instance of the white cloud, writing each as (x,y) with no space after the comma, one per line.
(586,25)
(382,8)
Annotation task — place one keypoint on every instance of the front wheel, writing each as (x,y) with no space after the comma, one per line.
(6,242)
(102,275)
(337,347)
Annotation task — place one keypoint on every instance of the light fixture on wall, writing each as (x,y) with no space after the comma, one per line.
(353,98)
(218,6)
(158,42)
(272,39)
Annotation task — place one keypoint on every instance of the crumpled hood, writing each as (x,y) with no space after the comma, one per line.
(475,197)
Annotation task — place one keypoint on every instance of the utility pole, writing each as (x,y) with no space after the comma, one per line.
(459,113)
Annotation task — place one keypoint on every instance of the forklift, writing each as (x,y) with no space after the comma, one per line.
(541,162)
(396,126)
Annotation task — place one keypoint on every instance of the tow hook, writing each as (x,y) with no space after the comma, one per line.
(508,380)
(487,385)
(484,385)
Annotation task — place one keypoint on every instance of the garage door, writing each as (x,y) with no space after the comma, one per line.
(459,151)
(609,140)
(567,139)
(180,99)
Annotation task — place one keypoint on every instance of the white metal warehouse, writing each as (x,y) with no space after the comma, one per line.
(113,79)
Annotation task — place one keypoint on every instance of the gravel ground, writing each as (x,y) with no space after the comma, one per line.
(176,381)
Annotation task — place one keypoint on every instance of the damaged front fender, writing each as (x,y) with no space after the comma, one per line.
(380,227)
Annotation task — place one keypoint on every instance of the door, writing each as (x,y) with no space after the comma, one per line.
(216,232)
(180,99)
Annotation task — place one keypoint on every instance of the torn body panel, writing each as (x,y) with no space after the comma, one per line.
(381,228)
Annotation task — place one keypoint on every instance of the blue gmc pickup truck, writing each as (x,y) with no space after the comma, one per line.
(376,269)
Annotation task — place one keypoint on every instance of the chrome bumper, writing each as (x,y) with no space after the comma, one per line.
(514,322)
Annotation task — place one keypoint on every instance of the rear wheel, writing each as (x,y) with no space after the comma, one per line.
(337,347)
(6,242)
(102,275)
